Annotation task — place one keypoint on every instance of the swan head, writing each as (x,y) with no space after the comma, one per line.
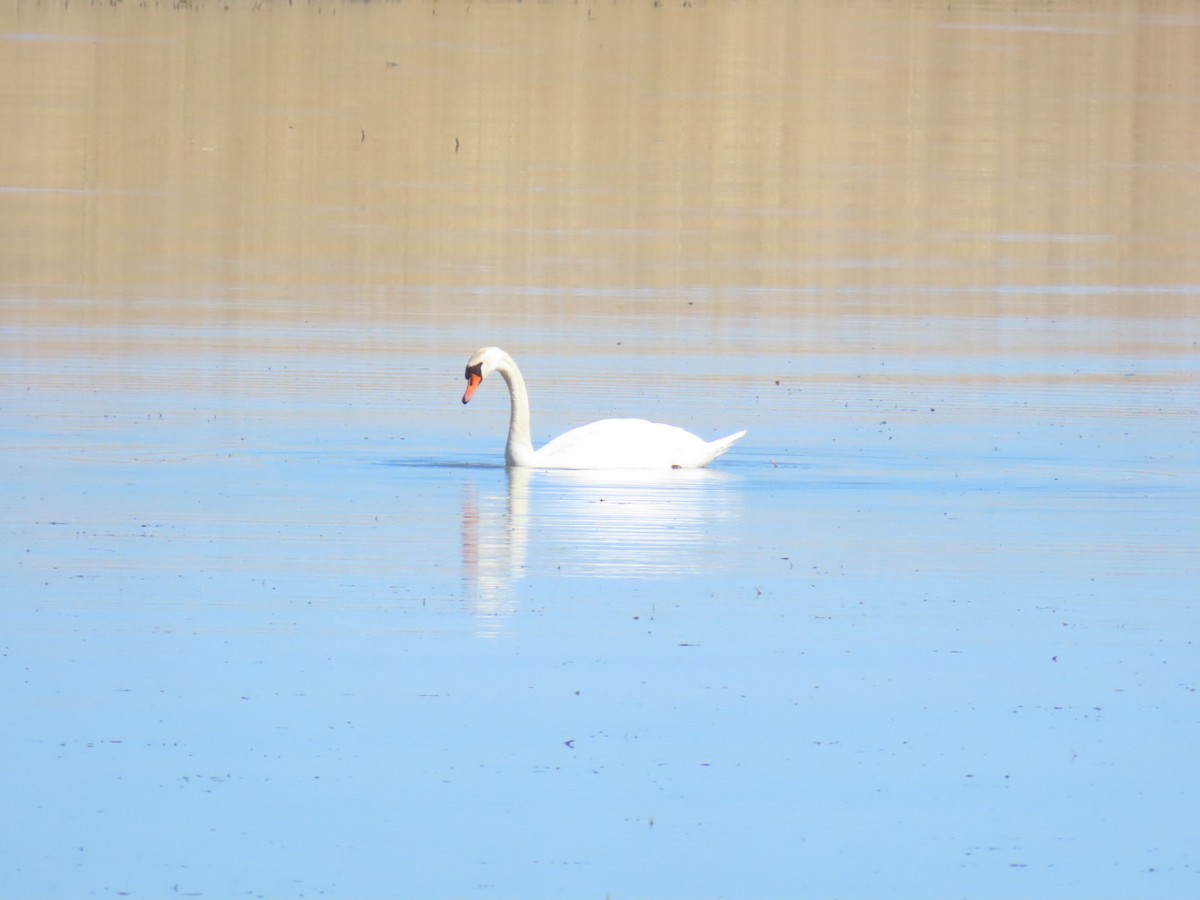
(483,362)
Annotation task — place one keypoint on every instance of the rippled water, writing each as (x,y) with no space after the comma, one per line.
(935,629)
(276,620)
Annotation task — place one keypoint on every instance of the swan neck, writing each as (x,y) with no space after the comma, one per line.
(519,451)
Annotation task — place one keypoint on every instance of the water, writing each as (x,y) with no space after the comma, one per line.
(276,621)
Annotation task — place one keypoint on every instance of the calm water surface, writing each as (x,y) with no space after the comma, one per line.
(276,621)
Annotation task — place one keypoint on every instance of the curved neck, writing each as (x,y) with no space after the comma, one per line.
(519,451)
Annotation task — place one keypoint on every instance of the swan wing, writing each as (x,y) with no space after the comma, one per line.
(629,444)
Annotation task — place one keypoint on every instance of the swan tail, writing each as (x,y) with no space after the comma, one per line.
(720,445)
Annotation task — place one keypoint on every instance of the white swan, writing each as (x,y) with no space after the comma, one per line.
(607,444)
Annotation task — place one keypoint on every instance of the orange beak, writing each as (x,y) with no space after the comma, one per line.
(473,382)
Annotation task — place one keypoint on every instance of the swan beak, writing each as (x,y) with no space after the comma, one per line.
(473,382)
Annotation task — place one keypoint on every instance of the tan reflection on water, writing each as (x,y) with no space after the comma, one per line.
(248,152)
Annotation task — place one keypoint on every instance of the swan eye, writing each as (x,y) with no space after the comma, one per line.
(476,369)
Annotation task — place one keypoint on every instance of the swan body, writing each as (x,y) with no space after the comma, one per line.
(607,444)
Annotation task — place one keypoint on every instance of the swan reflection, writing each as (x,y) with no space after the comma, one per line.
(590,524)
(494,528)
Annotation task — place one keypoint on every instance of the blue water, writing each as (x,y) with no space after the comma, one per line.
(277,622)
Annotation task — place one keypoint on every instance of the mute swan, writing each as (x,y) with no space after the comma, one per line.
(607,444)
